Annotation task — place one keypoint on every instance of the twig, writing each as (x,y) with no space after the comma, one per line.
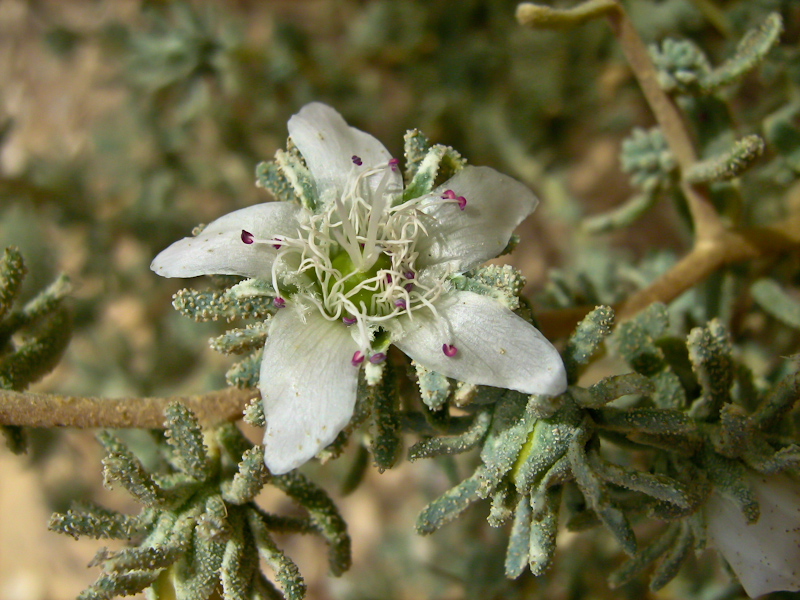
(705,258)
(707,223)
(31,409)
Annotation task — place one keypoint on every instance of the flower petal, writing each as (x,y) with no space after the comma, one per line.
(328,145)
(462,239)
(219,250)
(308,387)
(765,555)
(493,345)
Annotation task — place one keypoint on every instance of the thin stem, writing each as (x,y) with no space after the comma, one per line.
(707,223)
(31,409)
(705,258)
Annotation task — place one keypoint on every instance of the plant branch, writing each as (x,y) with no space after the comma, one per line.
(31,409)
(707,223)
(705,258)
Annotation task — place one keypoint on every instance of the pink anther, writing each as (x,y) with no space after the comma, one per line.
(278,302)
(376,358)
(449,350)
(358,358)
(449,195)
(462,202)
(356,160)
(247,237)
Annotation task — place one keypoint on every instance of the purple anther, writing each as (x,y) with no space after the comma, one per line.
(449,195)
(278,302)
(462,202)
(349,321)
(409,274)
(247,237)
(376,358)
(358,358)
(393,162)
(449,350)
(357,161)
(408,287)
(388,278)
(400,303)
(276,245)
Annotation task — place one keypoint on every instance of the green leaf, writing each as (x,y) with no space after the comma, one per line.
(248,480)
(728,165)
(452,503)
(519,539)
(710,351)
(456,444)
(775,301)
(12,272)
(95,522)
(586,339)
(544,528)
(324,515)
(183,433)
(750,52)
(286,572)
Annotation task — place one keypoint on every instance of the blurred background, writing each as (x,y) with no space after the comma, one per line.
(123,124)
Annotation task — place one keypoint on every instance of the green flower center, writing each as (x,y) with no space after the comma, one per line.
(360,286)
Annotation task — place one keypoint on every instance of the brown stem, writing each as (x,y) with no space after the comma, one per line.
(704,216)
(705,258)
(30,409)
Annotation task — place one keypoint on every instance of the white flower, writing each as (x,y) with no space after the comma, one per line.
(368,269)
(765,555)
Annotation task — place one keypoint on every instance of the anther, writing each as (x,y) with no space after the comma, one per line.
(462,202)
(408,287)
(400,303)
(376,358)
(393,162)
(449,195)
(358,358)
(278,302)
(247,237)
(357,161)
(388,278)
(276,245)
(409,274)
(349,321)
(449,350)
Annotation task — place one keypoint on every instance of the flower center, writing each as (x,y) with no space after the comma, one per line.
(356,260)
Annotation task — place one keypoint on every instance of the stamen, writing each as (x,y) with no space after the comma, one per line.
(409,274)
(449,195)
(358,358)
(247,237)
(357,161)
(449,350)
(348,321)
(400,303)
(377,358)
(278,302)
(462,202)
(408,287)
(276,245)
(393,162)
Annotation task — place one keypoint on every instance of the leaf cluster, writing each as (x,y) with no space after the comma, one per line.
(33,337)
(199,532)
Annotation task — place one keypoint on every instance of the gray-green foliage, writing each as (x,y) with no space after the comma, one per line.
(199,529)
(32,337)
(697,438)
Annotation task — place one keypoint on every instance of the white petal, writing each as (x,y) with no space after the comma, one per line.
(308,387)
(461,240)
(219,250)
(765,555)
(328,145)
(494,346)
